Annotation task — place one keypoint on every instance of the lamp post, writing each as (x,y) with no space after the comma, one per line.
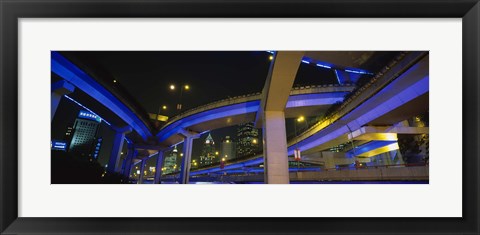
(160,108)
(182,88)
(297,150)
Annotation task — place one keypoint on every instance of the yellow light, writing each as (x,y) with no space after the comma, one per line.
(114,81)
(216,153)
(223,159)
(270,57)
(228,141)
(172,87)
(187,87)
(195,163)
(300,119)
(164,107)
(181,154)
(254,141)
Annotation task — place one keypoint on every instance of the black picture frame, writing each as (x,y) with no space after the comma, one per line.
(12,10)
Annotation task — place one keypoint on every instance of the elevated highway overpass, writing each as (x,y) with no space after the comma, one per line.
(398,92)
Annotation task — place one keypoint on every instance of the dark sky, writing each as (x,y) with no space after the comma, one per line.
(211,75)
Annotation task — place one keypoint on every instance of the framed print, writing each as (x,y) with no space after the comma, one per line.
(239,117)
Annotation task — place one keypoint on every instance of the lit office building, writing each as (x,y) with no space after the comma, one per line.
(170,164)
(247,140)
(84,134)
(228,148)
(208,152)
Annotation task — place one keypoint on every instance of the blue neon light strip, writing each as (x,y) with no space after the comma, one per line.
(323,66)
(77,77)
(81,105)
(306,61)
(357,71)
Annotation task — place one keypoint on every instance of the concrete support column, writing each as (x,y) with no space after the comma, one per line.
(329,161)
(59,89)
(275,148)
(114,161)
(132,153)
(158,168)
(142,169)
(187,158)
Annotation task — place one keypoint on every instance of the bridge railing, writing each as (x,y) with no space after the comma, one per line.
(255,96)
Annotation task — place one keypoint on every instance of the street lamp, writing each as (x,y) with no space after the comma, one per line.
(162,107)
(185,87)
(297,150)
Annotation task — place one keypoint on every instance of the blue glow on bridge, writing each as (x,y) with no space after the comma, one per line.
(81,105)
(357,71)
(323,66)
(76,76)
(208,115)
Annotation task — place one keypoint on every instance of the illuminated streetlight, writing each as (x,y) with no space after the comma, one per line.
(184,87)
(164,107)
(216,153)
(114,81)
(270,57)
(254,141)
(300,119)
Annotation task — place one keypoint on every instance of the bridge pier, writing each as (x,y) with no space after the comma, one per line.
(158,168)
(114,161)
(132,153)
(187,155)
(275,148)
(59,89)
(142,169)
(271,115)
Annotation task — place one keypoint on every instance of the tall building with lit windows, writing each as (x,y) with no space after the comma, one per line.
(248,142)
(228,148)
(84,134)
(170,164)
(209,154)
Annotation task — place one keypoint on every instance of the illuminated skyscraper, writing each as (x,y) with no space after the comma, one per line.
(228,148)
(208,152)
(248,142)
(84,134)
(171,162)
